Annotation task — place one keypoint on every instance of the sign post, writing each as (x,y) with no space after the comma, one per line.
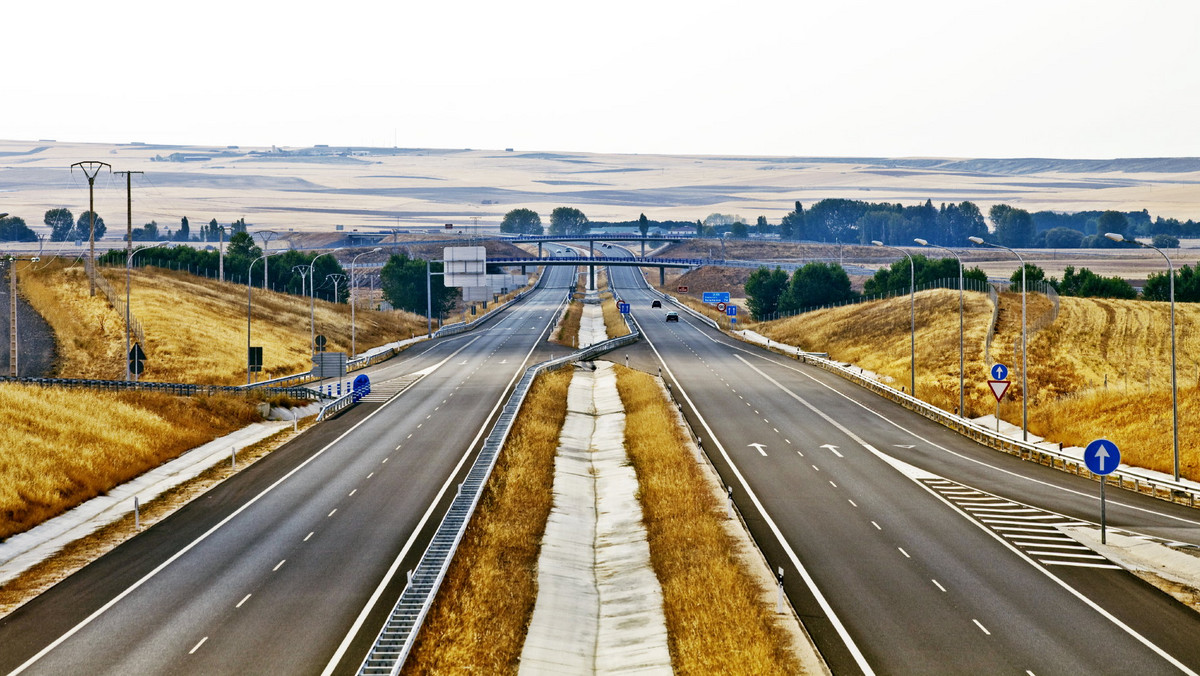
(999,386)
(1102,457)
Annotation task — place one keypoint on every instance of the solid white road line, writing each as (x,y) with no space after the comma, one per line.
(279,565)
(387,578)
(194,648)
(851,646)
(244,599)
(981,627)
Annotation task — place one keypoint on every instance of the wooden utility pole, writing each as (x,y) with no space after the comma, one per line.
(90,169)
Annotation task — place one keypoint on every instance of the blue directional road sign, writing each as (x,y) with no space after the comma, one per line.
(1101,457)
(731,310)
(716,297)
(999,372)
(623,307)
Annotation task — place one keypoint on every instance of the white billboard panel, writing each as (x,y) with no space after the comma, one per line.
(465,265)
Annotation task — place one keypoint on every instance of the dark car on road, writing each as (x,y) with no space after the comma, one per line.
(656,303)
(672,317)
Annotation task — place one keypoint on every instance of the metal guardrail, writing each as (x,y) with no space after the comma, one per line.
(463,327)
(395,640)
(181,389)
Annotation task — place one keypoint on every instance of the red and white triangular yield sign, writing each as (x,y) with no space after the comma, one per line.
(999,387)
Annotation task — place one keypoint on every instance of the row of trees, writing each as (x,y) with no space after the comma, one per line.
(64,227)
(771,292)
(283,270)
(402,279)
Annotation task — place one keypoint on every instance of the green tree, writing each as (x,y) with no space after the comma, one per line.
(1165,241)
(1014,227)
(83,227)
(1088,284)
(643,225)
(1187,286)
(761,226)
(1033,274)
(816,284)
(897,277)
(568,221)
(184,233)
(403,281)
(61,222)
(146,233)
(739,230)
(699,228)
(792,226)
(522,221)
(764,289)
(1111,221)
(1063,238)
(14,229)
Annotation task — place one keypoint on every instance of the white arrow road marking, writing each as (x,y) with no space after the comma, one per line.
(834,449)
(760,447)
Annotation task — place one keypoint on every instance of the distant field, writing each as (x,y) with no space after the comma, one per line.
(1126,341)
(411,188)
(195,327)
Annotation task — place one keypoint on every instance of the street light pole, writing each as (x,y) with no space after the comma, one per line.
(128,266)
(353,288)
(249,286)
(266,236)
(1117,237)
(912,305)
(962,411)
(312,301)
(1024,344)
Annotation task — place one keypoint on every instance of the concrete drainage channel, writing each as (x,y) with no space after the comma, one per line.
(396,639)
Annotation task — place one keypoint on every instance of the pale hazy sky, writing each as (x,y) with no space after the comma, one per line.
(964,78)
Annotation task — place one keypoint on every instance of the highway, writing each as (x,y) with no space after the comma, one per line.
(905,547)
(291,566)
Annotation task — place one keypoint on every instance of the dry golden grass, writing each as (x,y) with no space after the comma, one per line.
(62,447)
(478,620)
(83,551)
(1127,341)
(876,337)
(614,323)
(717,622)
(195,327)
(568,327)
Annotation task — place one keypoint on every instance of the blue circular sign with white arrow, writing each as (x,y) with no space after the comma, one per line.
(999,371)
(1102,457)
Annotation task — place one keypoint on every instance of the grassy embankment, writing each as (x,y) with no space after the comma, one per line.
(568,326)
(62,447)
(716,618)
(195,327)
(717,621)
(1129,341)
(614,323)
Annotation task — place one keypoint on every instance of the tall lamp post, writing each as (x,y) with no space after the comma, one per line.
(353,288)
(1117,237)
(1024,344)
(266,236)
(962,411)
(128,267)
(312,301)
(249,304)
(912,306)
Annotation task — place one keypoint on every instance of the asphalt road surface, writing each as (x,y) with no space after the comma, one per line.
(284,569)
(906,548)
